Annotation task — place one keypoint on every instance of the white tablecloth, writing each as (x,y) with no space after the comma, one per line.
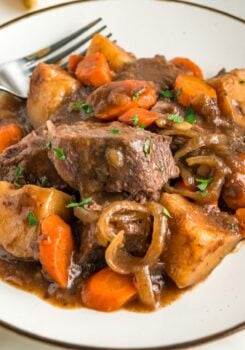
(10,9)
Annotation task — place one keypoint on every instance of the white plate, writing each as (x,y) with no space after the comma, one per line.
(212,309)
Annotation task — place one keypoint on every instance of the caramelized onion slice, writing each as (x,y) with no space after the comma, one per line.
(105,230)
(87,216)
(145,287)
(122,262)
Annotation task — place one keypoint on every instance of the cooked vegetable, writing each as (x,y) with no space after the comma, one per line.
(73,61)
(115,55)
(197,242)
(21,211)
(145,287)
(231,95)
(192,87)
(114,99)
(9,135)
(29,3)
(139,116)
(93,70)
(55,248)
(108,291)
(240,214)
(187,65)
(49,87)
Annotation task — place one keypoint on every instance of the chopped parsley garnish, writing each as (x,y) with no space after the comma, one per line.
(170,93)
(142,126)
(84,202)
(167,93)
(147,147)
(77,106)
(135,120)
(43,181)
(242,81)
(49,145)
(190,115)
(166,213)
(203,184)
(175,118)
(135,96)
(17,174)
(31,218)
(114,131)
(59,153)
(160,168)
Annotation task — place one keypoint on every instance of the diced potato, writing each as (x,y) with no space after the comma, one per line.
(49,87)
(17,235)
(230,89)
(115,55)
(196,244)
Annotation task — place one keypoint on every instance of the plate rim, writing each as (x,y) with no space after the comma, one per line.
(190,344)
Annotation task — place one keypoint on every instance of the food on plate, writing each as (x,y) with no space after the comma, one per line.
(122,179)
(29,3)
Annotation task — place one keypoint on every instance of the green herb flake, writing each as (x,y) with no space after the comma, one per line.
(135,96)
(166,213)
(43,181)
(78,106)
(190,115)
(59,153)
(179,92)
(84,202)
(49,145)
(142,126)
(114,131)
(176,118)
(147,147)
(135,120)
(160,168)
(31,218)
(167,93)
(17,174)
(203,184)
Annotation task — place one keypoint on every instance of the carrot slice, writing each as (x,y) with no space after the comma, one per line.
(139,116)
(93,70)
(73,61)
(240,214)
(188,65)
(9,135)
(120,96)
(190,88)
(108,290)
(55,248)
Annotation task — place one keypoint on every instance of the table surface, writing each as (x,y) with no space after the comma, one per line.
(10,9)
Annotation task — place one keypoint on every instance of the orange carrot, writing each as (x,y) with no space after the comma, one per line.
(139,116)
(93,70)
(240,214)
(55,248)
(190,88)
(120,96)
(188,65)
(9,135)
(108,290)
(73,61)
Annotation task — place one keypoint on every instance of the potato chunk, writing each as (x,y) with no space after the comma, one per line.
(115,55)
(197,242)
(230,89)
(49,87)
(18,235)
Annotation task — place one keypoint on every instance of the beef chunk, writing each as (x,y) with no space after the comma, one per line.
(30,154)
(155,69)
(91,254)
(111,157)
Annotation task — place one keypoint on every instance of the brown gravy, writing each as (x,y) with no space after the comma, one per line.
(29,277)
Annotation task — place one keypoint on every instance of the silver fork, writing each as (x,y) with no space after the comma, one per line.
(15,75)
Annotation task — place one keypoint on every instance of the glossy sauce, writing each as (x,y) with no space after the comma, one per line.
(29,277)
